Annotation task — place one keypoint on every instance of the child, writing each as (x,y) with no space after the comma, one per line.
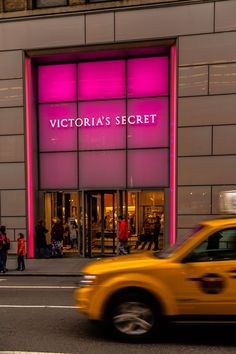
(21,252)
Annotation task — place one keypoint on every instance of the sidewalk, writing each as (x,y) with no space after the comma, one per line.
(67,266)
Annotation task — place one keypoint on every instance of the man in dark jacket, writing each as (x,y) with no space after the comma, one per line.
(5,246)
(40,240)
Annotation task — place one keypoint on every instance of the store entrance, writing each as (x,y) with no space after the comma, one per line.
(100,222)
(90,218)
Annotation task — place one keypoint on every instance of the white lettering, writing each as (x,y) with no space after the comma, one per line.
(101,121)
(153,116)
(123,120)
(62,123)
(108,121)
(53,123)
(131,120)
(71,120)
(117,120)
(86,122)
(78,122)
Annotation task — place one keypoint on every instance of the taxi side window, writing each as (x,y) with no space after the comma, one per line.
(219,246)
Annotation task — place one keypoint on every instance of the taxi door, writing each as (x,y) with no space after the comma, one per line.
(205,282)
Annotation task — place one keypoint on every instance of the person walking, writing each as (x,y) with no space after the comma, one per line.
(40,240)
(57,238)
(21,252)
(5,246)
(157,228)
(123,235)
(2,270)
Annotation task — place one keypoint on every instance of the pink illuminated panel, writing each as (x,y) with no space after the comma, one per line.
(148,77)
(103,130)
(101,80)
(148,168)
(58,170)
(57,83)
(52,138)
(102,169)
(153,132)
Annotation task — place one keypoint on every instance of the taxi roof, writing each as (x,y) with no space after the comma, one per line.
(221,220)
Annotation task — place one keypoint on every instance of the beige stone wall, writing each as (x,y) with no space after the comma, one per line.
(205,32)
(18,8)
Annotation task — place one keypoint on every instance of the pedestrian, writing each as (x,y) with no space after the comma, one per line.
(57,238)
(123,235)
(40,241)
(157,228)
(1,255)
(5,246)
(21,252)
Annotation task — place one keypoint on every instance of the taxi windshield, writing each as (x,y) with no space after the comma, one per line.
(167,252)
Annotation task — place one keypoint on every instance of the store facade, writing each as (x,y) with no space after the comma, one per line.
(104,145)
(100,117)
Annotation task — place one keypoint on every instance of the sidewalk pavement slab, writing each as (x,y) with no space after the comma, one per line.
(68,266)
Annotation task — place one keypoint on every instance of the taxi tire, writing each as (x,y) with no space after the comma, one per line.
(139,308)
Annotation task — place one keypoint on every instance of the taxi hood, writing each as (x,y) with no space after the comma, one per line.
(118,263)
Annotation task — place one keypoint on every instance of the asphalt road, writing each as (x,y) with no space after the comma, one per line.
(37,314)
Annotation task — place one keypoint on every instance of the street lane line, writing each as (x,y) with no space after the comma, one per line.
(39,306)
(3,280)
(36,287)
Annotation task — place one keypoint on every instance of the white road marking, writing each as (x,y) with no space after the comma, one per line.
(39,306)
(3,280)
(37,287)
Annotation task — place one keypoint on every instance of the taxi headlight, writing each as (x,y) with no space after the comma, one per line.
(87,280)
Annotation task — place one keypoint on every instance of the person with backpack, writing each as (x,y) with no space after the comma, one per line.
(5,247)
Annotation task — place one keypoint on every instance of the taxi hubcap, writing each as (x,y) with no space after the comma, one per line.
(133,318)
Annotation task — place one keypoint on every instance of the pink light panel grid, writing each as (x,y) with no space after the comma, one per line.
(57,139)
(151,134)
(102,169)
(148,77)
(104,90)
(103,136)
(57,83)
(101,80)
(148,168)
(58,170)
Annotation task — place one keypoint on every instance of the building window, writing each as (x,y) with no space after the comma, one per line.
(40,4)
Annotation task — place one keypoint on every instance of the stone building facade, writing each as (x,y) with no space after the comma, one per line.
(204,33)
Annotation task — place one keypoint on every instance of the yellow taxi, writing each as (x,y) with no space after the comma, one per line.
(193,279)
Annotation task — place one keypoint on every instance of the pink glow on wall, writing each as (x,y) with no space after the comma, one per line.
(173,148)
(29,164)
(101,80)
(148,168)
(106,136)
(57,139)
(102,169)
(148,77)
(57,83)
(58,170)
(149,135)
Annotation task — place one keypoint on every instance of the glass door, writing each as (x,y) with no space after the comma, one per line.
(100,222)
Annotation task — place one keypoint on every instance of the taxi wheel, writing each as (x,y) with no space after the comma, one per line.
(133,316)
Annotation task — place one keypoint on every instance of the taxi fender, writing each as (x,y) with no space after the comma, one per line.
(112,285)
